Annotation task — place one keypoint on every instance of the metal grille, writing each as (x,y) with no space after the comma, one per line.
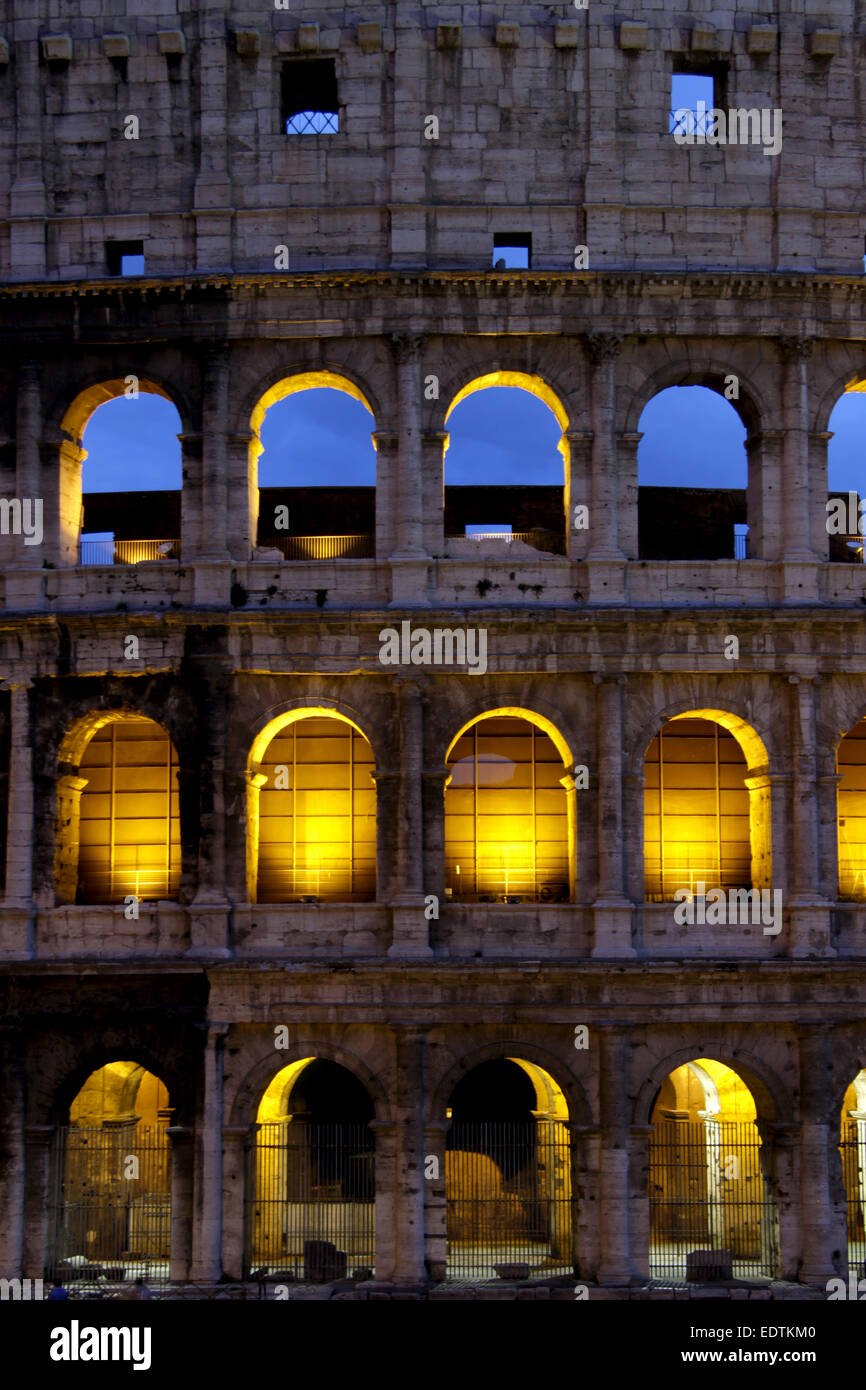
(712,1210)
(310,1200)
(508,1200)
(313,123)
(853,1152)
(109,1204)
(111,552)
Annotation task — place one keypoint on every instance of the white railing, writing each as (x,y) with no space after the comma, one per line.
(127,552)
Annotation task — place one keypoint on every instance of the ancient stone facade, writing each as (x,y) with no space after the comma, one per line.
(703,264)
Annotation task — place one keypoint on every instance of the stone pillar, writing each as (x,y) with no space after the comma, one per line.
(214,477)
(779,1141)
(27,205)
(408,1189)
(411,936)
(433,489)
(386,1199)
(824,1234)
(800,582)
(435,1200)
(36,1215)
(819,538)
(764,495)
(409,563)
(810,915)
(640,1137)
(16,916)
(585,1150)
(207,1230)
(633,784)
(604,348)
(236,1148)
(212,199)
(576,448)
(627,492)
(191,502)
(615,1264)
(243,493)
(387,492)
(828,832)
(12,1155)
(612,910)
(407,213)
(434,780)
(182,1153)
(209,908)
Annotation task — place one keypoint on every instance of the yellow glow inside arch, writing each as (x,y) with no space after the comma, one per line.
(290,386)
(271,1103)
(523,381)
(515,712)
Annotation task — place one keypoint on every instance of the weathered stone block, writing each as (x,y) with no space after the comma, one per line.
(308,38)
(449,35)
(115,45)
(762,39)
(57,48)
(507,35)
(248,42)
(370,37)
(824,43)
(566,35)
(4,52)
(704,39)
(632,36)
(172,42)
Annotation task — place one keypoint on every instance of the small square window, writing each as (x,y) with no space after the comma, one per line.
(125,257)
(695,90)
(310,104)
(512,250)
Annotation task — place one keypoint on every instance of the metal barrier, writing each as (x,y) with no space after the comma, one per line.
(310,1200)
(359,547)
(711,1202)
(109,1205)
(853,1154)
(508,1200)
(127,552)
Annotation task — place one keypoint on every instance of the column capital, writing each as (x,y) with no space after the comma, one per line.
(603,347)
(795,349)
(408,346)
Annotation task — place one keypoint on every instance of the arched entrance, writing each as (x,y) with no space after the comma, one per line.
(311,1176)
(508,1189)
(109,1200)
(852,1147)
(711,1190)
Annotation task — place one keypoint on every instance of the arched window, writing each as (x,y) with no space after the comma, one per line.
(129,818)
(508,1181)
(506,815)
(504,467)
(316,469)
(692,477)
(110,1182)
(846,476)
(316,815)
(698,823)
(851,813)
(311,1187)
(852,1148)
(712,1208)
(131,475)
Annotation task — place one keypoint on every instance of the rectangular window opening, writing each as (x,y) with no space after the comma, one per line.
(696,88)
(309,99)
(125,257)
(512,250)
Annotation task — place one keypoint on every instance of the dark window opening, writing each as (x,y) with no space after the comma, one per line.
(310,105)
(512,250)
(125,257)
(696,88)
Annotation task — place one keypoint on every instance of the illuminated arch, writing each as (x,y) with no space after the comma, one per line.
(291,385)
(331,855)
(262,1077)
(676,857)
(100,393)
(510,816)
(120,1090)
(852,1151)
(851,813)
(750,405)
(524,381)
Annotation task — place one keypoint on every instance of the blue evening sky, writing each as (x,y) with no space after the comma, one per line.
(692,437)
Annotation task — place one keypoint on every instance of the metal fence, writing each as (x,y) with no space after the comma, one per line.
(111,552)
(109,1204)
(711,1202)
(310,1200)
(508,1200)
(853,1152)
(360,547)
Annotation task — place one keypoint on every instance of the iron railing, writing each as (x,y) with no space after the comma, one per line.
(109,1205)
(357,547)
(508,1200)
(711,1202)
(853,1153)
(310,1201)
(313,123)
(127,552)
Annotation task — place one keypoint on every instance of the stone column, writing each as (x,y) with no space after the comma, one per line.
(182,1165)
(409,1187)
(819,539)
(215,407)
(810,916)
(615,1263)
(433,489)
(823,1232)
(604,349)
(585,1149)
(435,1199)
(243,498)
(191,501)
(12,1155)
(627,442)
(386,1199)
(16,917)
(207,1230)
(209,908)
(800,583)
(387,492)
(576,448)
(409,563)
(408,147)
(37,1213)
(23,562)
(434,780)
(764,495)
(411,933)
(212,200)
(236,1148)
(828,831)
(640,1137)
(612,910)
(779,1141)
(27,206)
